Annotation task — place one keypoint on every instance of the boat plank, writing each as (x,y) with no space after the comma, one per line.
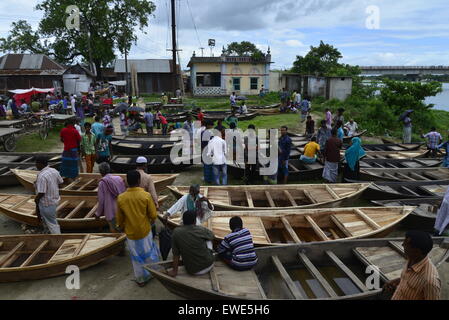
(270,199)
(318,231)
(317,275)
(5,260)
(367,219)
(286,277)
(249,199)
(92,211)
(34,254)
(290,230)
(341,226)
(309,196)
(81,246)
(86,184)
(332,192)
(290,198)
(76,210)
(346,271)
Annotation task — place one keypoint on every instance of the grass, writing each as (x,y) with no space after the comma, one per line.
(292,121)
(33,143)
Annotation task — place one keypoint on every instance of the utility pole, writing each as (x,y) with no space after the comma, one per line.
(175,69)
(126,71)
(202,51)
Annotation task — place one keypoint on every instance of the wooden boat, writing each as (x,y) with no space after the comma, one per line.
(423,217)
(278,227)
(221,115)
(267,111)
(258,108)
(298,170)
(24,161)
(156,164)
(347,139)
(73,213)
(399,163)
(420,174)
(393,141)
(391,147)
(142,147)
(395,154)
(87,183)
(404,190)
(30,257)
(269,197)
(308,271)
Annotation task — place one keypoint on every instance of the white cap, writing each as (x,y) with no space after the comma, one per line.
(141,160)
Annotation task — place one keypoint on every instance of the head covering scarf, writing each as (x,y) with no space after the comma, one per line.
(354,153)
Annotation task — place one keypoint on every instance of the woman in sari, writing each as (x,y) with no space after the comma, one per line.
(353,155)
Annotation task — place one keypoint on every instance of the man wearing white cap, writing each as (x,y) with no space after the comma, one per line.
(146,182)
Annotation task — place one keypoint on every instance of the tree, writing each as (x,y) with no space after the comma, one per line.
(244,48)
(22,39)
(323,61)
(106,25)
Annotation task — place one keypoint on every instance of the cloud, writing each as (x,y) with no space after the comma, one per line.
(294,43)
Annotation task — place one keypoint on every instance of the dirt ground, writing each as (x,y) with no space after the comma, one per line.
(113,278)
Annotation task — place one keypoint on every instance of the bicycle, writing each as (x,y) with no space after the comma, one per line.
(44,129)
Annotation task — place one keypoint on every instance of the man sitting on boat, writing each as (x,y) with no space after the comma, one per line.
(237,248)
(311,151)
(351,127)
(419,279)
(194,244)
(193,201)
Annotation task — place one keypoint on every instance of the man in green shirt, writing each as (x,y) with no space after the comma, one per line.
(232,119)
(194,244)
(35,105)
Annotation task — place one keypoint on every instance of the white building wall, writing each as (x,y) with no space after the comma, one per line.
(75,83)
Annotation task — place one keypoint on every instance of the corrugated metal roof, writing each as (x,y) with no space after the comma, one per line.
(144,65)
(28,62)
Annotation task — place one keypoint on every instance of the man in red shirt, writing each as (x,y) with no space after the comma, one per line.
(200,116)
(164,123)
(71,139)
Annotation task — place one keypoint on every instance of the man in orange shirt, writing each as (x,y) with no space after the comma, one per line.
(311,150)
(419,279)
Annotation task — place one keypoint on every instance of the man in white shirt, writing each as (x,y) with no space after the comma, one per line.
(233,99)
(216,149)
(352,128)
(47,194)
(297,99)
(73,102)
(189,202)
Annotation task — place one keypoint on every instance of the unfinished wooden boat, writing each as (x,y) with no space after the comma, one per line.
(142,147)
(31,257)
(298,170)
(24,161)
(221,115)
(423,217)
(418,174)
(395,154)
(399,163)
(403,190)
(391,147)
(87,183)
(270,197)
(308,271)
(72,213)
(347,139)
(257,108)
(278,227)
(156,164)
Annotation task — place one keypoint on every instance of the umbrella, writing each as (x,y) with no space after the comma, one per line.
(405,114)
(136,109)
(121,107)
(241,98)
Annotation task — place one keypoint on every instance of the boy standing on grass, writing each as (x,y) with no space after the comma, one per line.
(88,149)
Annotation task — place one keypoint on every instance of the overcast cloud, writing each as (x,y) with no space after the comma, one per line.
(412,32)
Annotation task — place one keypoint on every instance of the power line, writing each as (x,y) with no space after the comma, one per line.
(194,24)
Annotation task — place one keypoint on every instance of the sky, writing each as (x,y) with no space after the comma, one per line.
(367,32)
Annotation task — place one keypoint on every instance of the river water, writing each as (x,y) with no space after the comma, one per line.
(441,101)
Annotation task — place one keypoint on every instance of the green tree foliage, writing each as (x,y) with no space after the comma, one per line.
(323,61)
(244,48)
(22,39)
(107,25)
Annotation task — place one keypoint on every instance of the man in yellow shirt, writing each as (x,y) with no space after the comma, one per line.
(311,151)
(135,214)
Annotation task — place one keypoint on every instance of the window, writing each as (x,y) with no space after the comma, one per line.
(204,79)
(254,83)
(236,83)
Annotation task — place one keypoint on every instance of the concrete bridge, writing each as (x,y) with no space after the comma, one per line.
(413,71)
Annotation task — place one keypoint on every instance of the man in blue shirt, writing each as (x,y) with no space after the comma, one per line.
(97,127)
(104,149)
(149,121)
(285,146)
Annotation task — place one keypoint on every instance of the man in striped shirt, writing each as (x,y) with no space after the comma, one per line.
(237,248)
(419,279)
(433,140)
(47,194)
